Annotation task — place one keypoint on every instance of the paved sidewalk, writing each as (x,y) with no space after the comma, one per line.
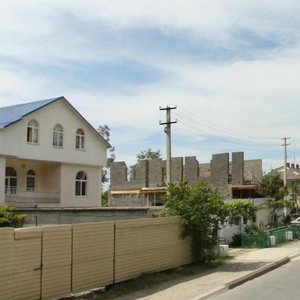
(245,265)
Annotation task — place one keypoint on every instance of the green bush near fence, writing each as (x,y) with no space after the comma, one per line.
(8,217)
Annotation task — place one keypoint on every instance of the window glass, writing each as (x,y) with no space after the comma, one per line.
(57,136)
(30,180)
(11,180)
(81,184)
(33,132)
(80,139)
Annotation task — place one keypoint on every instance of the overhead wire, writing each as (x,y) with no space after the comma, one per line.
(233,138)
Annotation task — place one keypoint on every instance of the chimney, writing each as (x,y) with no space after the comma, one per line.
(287,165)
(297,166)
(293,166)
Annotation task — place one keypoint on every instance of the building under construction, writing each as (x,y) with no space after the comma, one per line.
(234,177)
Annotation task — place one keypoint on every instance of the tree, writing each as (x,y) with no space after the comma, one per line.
(200,209)
(271,186)
(104,131)
(149,154)
(145,154)
(243,208)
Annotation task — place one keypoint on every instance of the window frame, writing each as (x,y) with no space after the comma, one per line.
(81,184)
(58,136)
(32,132)
(11,175)
(30,180)
(80,139)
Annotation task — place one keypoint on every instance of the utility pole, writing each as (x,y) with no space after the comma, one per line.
(285,159)
(284,169)
(168,133)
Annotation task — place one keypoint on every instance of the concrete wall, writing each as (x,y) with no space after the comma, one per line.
(53,262)
(237,168)
(58,216)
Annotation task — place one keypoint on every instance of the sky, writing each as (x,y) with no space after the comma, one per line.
(231,69)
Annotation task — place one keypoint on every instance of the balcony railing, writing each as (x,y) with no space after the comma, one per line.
(23,197)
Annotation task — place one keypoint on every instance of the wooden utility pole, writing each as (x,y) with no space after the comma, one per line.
(168,133)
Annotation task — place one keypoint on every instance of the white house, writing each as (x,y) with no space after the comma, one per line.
(50,156)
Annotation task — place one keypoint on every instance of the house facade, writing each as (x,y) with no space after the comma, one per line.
(50,156)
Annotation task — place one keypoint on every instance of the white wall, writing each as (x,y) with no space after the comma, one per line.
(2,180)
(68,197)
(14,137)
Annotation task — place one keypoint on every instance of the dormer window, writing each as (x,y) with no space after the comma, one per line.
(58,136)
(33,132)
(80,139)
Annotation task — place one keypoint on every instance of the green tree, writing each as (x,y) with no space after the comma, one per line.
(149,154)
(200,209)
(104,131)
(145,154)
(8,217)
(271,186)
(243,208)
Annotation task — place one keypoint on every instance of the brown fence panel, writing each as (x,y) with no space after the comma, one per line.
(20,257)
(149,245)
(56,275)
(93,246)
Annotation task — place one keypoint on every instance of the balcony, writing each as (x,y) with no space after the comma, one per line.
(19,197)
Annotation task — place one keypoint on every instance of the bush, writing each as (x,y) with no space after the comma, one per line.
(200,209)
(236,240)
(8,218)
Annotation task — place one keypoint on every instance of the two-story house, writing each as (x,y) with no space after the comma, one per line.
(50,156)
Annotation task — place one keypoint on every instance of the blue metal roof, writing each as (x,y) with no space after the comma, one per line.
(12,114)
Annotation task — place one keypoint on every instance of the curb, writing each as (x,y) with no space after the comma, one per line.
(261,271)
(234,283)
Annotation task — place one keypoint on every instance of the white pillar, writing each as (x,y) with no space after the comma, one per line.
(2,180)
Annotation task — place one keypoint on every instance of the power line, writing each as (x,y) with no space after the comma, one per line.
(223,129)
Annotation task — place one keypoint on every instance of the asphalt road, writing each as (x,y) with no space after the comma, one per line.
(280,284)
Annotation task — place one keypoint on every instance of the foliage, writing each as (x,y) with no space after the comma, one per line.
(104,131)
(149,154)
(8,217)
(200,209)
(104,199)
(243,208)
(271,186)
(236,240)
(144,154)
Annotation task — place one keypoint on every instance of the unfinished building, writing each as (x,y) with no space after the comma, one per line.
(236,178)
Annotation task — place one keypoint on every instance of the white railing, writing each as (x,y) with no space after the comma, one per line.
(24,197)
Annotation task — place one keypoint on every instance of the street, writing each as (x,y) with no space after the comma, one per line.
(281,283)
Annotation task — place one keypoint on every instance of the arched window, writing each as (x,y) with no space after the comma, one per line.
(30,181)
(33,132)
(58,136)
(10,180)
(80,139)
(81,184)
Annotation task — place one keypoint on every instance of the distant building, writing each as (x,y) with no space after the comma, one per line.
(292,174)
(237,178)
(50,156)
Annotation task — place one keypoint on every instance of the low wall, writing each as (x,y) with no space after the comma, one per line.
(56,261)
(58,216)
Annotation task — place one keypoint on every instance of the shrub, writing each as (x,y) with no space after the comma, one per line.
(8,217)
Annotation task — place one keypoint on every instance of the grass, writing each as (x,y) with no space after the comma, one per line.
(152,280)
